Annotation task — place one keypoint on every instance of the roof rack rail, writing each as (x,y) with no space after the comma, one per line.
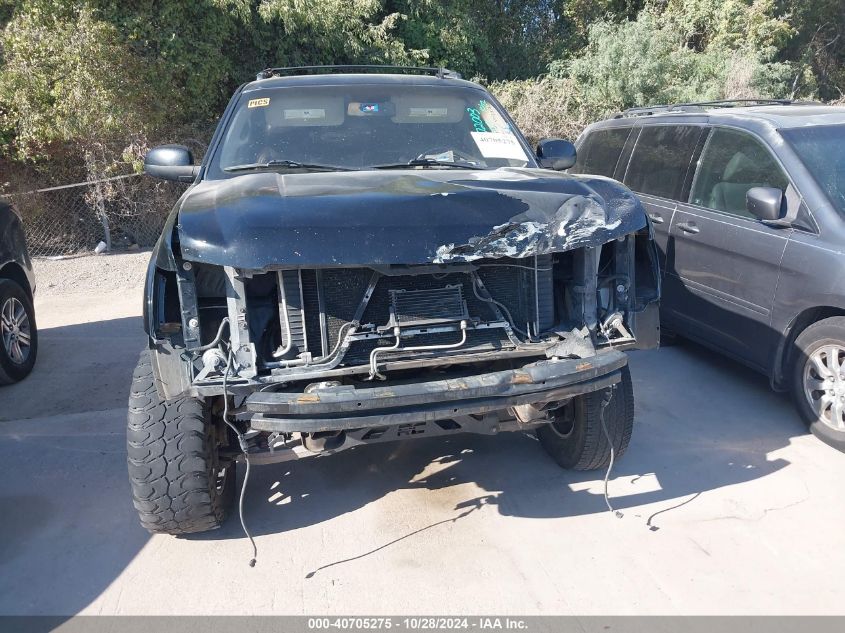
(701,105)
(442,73)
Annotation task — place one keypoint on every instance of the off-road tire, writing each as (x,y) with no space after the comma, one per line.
(11,371)
(830,331)
(576,440)
(172,456)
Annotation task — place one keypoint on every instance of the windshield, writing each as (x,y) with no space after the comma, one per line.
(365,127)
(822,150)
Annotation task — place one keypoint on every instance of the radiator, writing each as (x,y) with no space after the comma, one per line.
(314,306)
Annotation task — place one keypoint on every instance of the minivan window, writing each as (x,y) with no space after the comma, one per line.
(661,158)
(732,163)
(822,150)
(600,151)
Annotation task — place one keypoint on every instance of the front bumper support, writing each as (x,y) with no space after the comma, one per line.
(346,407)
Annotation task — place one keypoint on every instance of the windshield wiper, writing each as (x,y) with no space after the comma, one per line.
(426,162)
(288,164)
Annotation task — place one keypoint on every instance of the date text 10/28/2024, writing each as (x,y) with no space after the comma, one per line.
(418,623)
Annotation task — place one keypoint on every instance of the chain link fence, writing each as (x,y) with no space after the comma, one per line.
(122,212)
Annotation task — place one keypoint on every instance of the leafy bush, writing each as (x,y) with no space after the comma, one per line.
(77,74)
(674,51)
(545,107)
(655,60)
(66,75)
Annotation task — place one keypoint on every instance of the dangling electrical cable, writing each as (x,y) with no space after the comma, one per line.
(608,396)
(245,450)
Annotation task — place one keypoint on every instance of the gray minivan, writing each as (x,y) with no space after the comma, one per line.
(747,203)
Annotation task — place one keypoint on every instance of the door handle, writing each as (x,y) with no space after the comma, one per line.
(656,218)
(688,227)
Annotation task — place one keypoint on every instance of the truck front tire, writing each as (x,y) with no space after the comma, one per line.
(576,440)
(179,485)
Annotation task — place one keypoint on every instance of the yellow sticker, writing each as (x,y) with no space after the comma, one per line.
(258,103)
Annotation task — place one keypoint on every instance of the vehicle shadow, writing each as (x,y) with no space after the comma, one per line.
(68,528)
(81,367)
(702,423)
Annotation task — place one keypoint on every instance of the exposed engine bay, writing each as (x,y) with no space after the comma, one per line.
(300,334)
(478,275)
(295,324)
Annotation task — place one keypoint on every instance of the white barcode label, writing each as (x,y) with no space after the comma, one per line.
(306,114)
(498,145)
(428,112)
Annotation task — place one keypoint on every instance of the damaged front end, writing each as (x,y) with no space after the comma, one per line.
(355,330)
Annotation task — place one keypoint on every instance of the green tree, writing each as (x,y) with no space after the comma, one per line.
(817,47)
(332,32)
(79,71)
(66,75)
(683,50)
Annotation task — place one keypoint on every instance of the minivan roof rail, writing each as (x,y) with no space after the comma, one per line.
(700,106)
(285,71)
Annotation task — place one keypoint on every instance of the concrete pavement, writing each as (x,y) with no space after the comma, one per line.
(729,506)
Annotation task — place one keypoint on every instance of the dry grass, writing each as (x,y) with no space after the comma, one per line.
(739,83)
(544,107)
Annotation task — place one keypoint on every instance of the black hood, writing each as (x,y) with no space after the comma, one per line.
(260,220)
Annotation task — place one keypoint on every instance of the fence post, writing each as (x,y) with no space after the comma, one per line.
(99,201)
(101,211)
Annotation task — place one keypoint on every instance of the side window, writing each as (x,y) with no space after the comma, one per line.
(600,151)
(661,159)
(732,163)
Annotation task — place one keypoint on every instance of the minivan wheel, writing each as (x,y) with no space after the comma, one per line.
(179,484)
(18,334)
(818,379)
(576,440)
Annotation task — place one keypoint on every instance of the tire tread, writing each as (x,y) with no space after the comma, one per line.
(594,451)
(168,449)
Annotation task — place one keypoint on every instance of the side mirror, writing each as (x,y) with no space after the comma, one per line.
(555,153)
(171,162)
(764,203)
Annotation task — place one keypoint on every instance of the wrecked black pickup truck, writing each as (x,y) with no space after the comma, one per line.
(371,256)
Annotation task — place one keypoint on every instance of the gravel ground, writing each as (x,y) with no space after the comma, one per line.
(114,272)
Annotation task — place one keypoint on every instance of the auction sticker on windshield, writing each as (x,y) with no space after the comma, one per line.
(498,145)
(306,114)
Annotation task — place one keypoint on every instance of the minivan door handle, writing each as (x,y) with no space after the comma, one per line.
(656,218)
(688,227)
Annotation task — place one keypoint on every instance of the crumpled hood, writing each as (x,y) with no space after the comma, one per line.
(260,220)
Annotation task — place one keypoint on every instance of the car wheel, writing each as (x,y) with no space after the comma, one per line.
(18,333)
(818,379)
(179,484)
(576,440)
